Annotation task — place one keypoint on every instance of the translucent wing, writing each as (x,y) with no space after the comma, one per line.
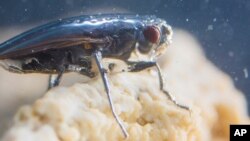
(15,51)
(50,36)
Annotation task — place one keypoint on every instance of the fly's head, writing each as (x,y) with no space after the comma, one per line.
(154,39)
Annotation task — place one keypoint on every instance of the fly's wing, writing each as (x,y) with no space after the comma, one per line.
(50,36)
(21,50)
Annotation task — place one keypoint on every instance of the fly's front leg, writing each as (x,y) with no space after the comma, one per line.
(53,82)
(161,81)
(103,72)
(141,65)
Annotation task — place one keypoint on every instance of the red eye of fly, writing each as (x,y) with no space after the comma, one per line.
(152,34)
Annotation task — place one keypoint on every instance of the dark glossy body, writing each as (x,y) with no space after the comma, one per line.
(69,43)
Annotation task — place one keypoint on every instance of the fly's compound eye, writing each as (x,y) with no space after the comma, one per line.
(151,36)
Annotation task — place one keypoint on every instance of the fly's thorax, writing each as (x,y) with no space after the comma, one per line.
(123,43)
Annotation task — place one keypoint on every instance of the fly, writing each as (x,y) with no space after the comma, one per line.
(77,44)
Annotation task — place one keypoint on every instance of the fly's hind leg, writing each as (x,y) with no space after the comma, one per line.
(141,65)
(53,82)
(15,69)
(103,72)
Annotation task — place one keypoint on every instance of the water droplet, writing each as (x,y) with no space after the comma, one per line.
(231,54)
(77,21)
(245,71)
(236,78)
(210,27)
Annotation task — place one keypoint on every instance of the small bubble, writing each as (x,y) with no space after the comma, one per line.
(25,9)
(210,27)
(214,20)
(236,78)
(77,21)
(245,71)
(187,20)
(231,54)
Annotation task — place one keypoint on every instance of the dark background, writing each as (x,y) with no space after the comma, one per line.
(221,26)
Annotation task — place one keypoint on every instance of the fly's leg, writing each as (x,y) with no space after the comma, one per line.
(103,72)
(53,82)
(141,65)
(15,69)
(161,81)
